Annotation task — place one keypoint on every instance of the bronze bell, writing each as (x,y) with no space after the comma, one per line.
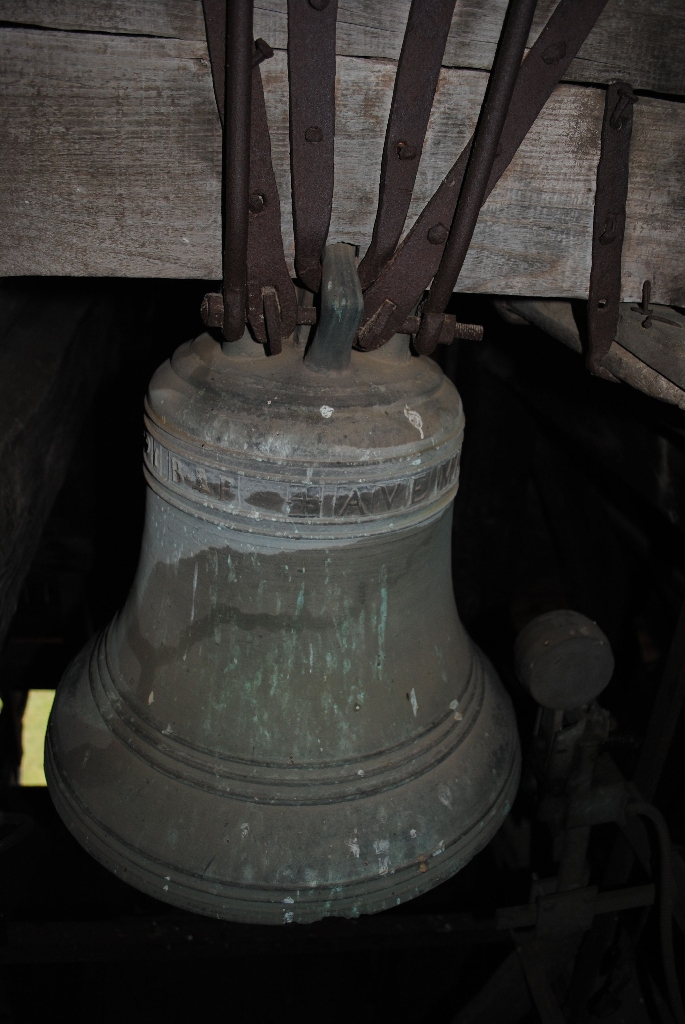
(287,719)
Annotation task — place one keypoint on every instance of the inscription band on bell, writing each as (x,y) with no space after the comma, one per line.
(239,492)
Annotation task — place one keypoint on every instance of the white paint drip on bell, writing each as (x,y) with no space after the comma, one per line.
(413,701)
(244,829)
(445,795)
(457,714)
(414,419)
(382,847)
(353,844)
(192,607)
(151,697)
(326,411)
(288,899)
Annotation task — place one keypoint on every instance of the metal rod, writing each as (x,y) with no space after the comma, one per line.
(505,68)
(416,80)
(405,277)
(236,169)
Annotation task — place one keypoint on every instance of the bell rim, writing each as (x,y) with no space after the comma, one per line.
(280,904)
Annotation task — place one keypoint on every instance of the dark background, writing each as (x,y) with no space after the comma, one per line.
(570,496)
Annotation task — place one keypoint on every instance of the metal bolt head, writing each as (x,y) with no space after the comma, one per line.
(319,5)
(437,235)
(256,202)
(212,310)
(262,51)
(313,134)
(405,151)
(554,53)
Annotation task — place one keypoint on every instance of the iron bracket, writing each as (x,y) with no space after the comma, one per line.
(608,226)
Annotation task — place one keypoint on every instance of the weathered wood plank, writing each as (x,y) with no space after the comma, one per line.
(173,19)
(111,159)
(631,356)
(111,165)
(641,42)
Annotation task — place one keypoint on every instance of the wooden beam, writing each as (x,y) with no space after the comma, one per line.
(52,356)
(112,159)
(641,42)
(168,19)
(654,365)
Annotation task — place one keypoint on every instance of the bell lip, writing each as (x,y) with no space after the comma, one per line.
(278,905)
(366,891)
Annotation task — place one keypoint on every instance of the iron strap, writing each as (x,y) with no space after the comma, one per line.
(609,225)
(233,54)
(505,69)
(390,299)
(311,74)
(215,28)
(419,65)
(271,297)
(270,303)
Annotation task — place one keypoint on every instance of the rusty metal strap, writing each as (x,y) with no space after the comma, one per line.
(401,284)
(215,27)
(271,301)
(609,225)
(419,65)
(311,73)
(486,140)
(271,297)
(230,38)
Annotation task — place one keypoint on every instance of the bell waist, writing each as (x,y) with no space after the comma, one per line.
(255,781)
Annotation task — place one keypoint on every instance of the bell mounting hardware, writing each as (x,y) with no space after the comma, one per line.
(394,277)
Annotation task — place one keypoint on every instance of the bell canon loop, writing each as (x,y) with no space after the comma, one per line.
(287,720)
